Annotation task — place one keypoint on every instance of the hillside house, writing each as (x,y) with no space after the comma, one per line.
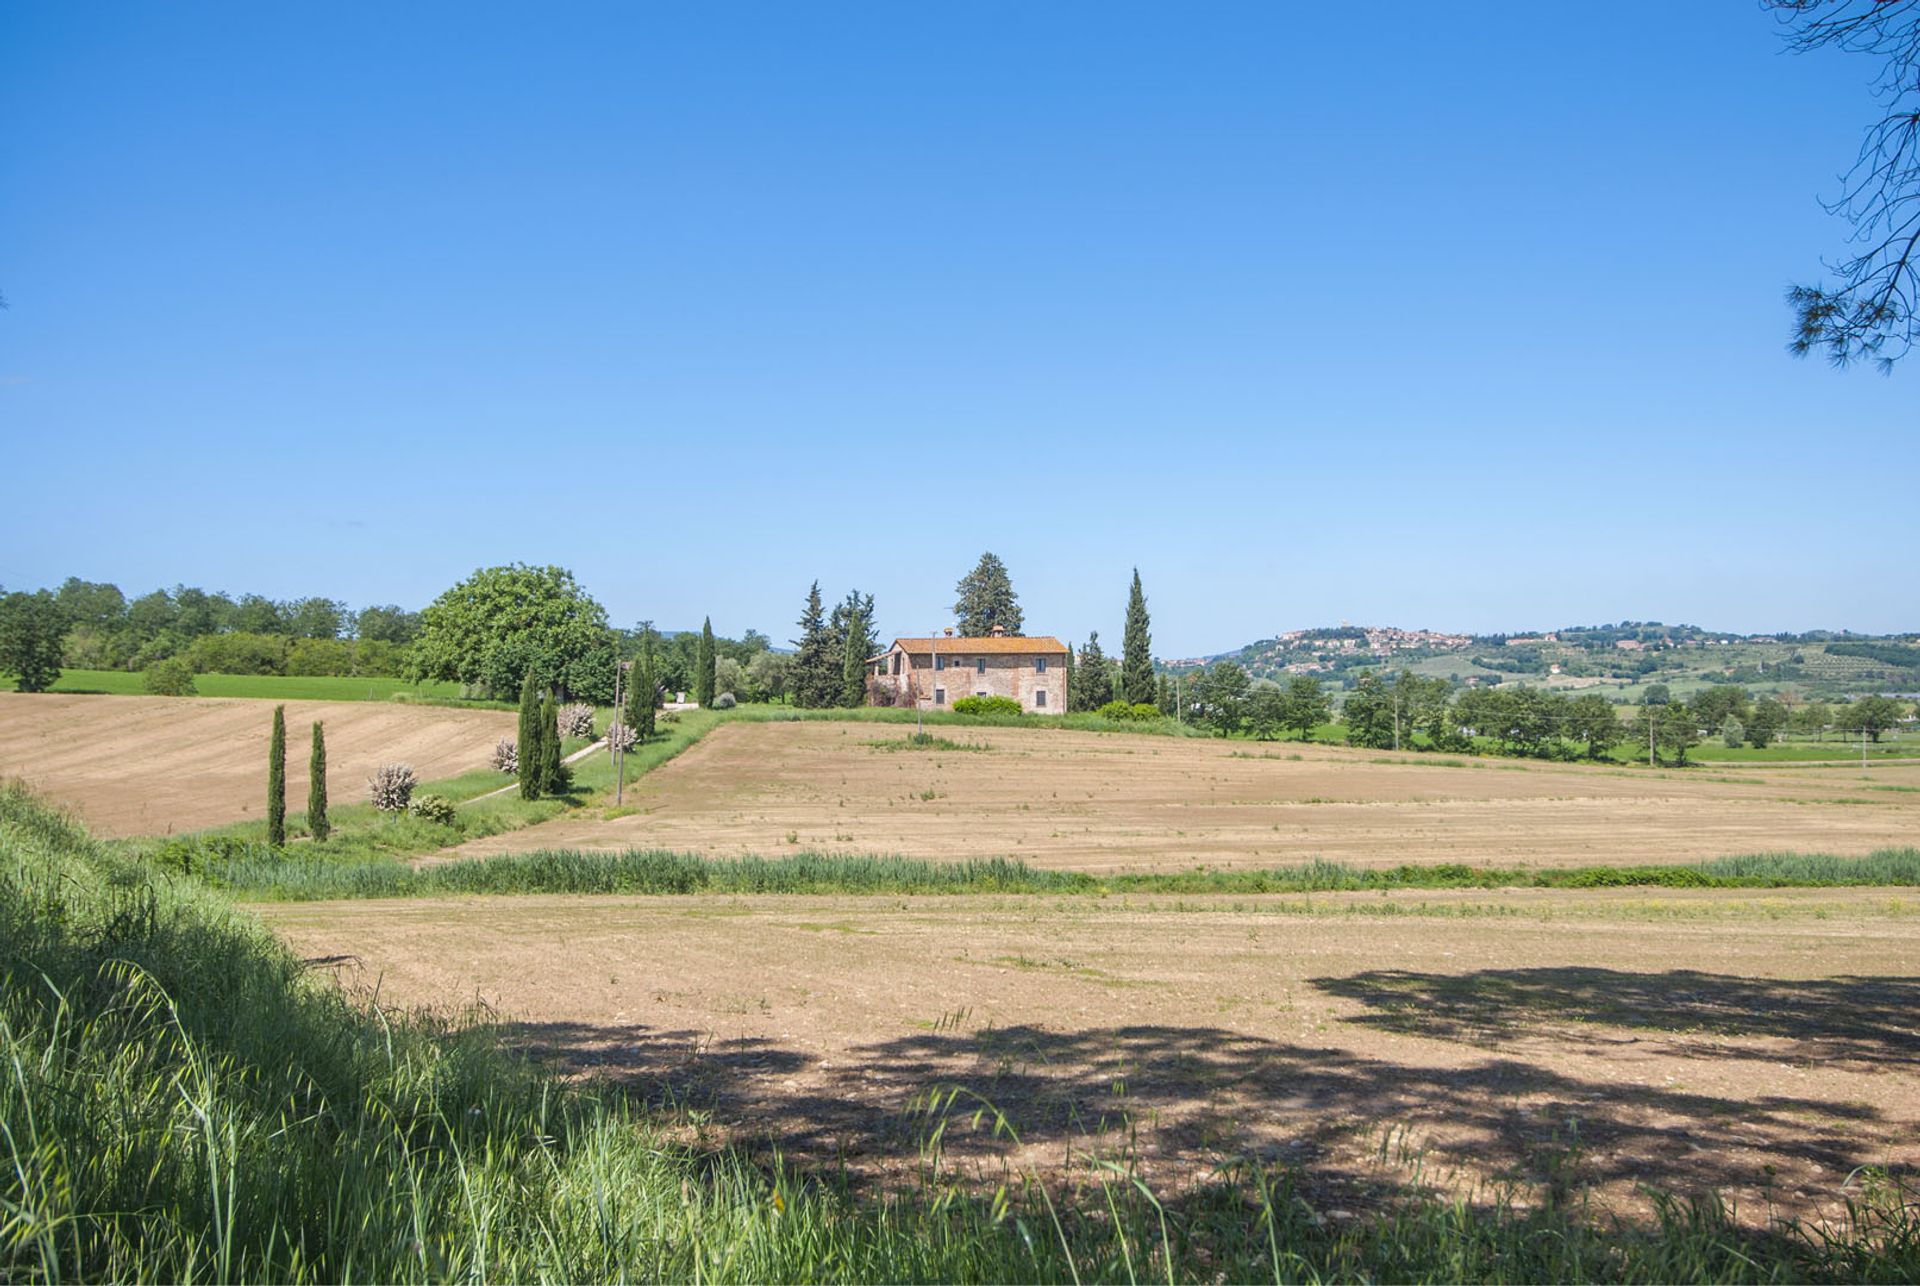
(942,669)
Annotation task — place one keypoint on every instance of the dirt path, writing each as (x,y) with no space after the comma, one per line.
(1764,1045)
(1114,801)
(156,765)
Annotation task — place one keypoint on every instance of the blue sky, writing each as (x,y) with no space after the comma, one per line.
(1458,317)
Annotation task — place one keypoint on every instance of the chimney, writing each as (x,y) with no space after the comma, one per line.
(998,631)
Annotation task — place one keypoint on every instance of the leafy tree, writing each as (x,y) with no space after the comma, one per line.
(987,599)
(703,667)
(814,678)
(1368,712)
(1094,676)
(1592,718)
(169,677)
(527,739)
(1733,733)
(253,614)
(1715,705)
(1306,707)
(1073,680)
(92,604)
(1813,719)
(1267,711)
(503,623)
(317,824)
(1657,694)
(850,642)
(317,618)
(768,673)
(1678,730)
(1870,312)
(386,624)
(1870,715)
(1136,649)
(277,780)
(1163,694)
(1222,692)
(1765,721)
(32,629)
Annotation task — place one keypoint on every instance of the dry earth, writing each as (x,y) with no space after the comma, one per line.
(1760,1044)
(156,765)
(1098,802)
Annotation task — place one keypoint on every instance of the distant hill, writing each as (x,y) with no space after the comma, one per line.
(1620,657)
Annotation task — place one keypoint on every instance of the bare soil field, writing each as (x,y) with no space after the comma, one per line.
(1102,802)
(155,765)
(1760,1044)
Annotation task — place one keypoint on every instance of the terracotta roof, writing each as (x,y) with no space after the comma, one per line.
(958,646)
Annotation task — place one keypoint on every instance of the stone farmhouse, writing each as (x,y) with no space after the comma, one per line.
(942,669)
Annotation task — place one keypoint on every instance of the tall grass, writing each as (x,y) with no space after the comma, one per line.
(179,1102)
(262,874)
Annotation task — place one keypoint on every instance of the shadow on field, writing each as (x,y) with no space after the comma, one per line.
(1182,1100)
(1861,1020)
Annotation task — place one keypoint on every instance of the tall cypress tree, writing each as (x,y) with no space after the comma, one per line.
(646,683)
(853,661)
(1073,690)
(277,780)
(527,739)
(703,663)
(1095,674)
(552,771)
(317,823)
(1136,650)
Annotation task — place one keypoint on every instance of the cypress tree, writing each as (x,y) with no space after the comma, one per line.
(815,680)
(853,662)
(552,771)
(317,823)
(527,739)
(1136,650)
(646,685)
(277,780)
(703,663)
(1095,675)
(1073,691)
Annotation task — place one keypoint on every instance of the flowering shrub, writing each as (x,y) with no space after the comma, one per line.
(576,720)
(433,808)
(391,787)
(506,756)
(621,737)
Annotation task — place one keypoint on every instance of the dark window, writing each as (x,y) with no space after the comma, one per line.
(1040,699)
(939,662)
(980,665)
(939,696)
(1040,664)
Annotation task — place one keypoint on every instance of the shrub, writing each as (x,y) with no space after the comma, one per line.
(391,787)
(1734,733)
(986,705)
(724,701)
(172,677)
(506,757)
(576,720)
(194,853)
(433,808)
(622,737)
(1138,712)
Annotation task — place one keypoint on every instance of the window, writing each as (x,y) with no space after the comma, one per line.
(939,696)
(896,663)
(1040,664)
(939,662)
(980,665)
(981,693)
(1040,699)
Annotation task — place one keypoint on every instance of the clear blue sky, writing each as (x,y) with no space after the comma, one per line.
(1457,316)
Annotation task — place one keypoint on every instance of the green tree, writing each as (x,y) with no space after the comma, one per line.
(527,739)
(1306,706)
(1267,711)
(1073,681)
(1222,692)
(503,623)
(643,694)
(1677,730)
(1136,649)
(1163,694)
(814,678)
(1765,721)
(1813,719)
(1368,712)
(1592,718)
(317,824)
(1715,705)
(987,599)
(277,780)
(32,629)
(553,772)
(1094,675)
(768,671)
(1657,694)
(703,667)
(1870,715)
(855,650)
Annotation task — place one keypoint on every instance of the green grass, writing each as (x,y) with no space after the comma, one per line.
(923,741)
(270,687)
(262,875)
(181,1101)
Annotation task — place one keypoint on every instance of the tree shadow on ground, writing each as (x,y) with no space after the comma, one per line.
(1855,1020)
(1179,1101)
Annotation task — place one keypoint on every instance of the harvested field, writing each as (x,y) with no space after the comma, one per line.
(1102,802)
(155,765)
(1760,1044)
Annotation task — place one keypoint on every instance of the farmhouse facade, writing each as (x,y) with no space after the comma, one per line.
(939,671)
